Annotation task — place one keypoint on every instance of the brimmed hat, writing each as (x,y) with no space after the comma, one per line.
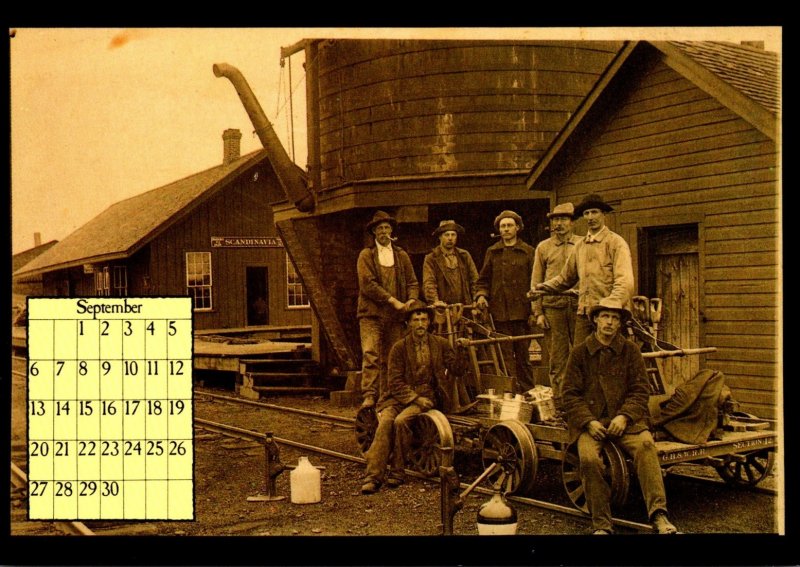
(592,201)
(418,306)
(446,225)
(612,305)
(378,218)
(562,210)
(508,215)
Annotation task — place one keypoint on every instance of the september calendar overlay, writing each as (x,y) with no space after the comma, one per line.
(110,409)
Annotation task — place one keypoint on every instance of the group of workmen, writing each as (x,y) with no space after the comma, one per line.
(577,289)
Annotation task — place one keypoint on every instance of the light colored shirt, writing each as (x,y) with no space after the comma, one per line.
(601,268)
(385,255)
(550,257)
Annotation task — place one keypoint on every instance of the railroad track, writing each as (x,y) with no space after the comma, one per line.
(248,435)
(285,409)
(251,436)
(351,421)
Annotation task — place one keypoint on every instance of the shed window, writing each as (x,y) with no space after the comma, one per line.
(296,296)
(119,281)
(198,279)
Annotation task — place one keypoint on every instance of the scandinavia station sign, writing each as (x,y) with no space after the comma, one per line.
(246,242)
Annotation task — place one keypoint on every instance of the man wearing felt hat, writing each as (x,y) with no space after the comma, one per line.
(419,366)
(605,397)
(556,314)
(449,273)
(387,286)
(502,286)
(600,265)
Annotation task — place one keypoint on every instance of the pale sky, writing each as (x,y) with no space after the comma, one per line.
(100,115)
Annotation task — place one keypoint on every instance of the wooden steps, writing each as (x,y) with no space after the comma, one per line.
(279,374)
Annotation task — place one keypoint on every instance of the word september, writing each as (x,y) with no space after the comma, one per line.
(95,308)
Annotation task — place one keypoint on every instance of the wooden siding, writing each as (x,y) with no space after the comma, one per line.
(669,150)
(411,107)
(241,209)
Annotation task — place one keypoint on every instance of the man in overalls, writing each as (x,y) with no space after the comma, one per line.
(387,285)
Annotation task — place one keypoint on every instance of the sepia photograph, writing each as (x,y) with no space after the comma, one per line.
(372,285)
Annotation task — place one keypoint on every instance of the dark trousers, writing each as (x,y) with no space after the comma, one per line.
(391,442)
(559,338)
(377,338)
(642,448)
(516,354)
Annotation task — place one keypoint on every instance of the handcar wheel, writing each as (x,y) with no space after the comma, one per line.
(616,474)
(754,469)
(366,425)
(511,444)
(430,433)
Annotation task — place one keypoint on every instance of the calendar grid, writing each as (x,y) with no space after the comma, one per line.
(107,451)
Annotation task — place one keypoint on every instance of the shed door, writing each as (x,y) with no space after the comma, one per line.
(677,271)
(257,295)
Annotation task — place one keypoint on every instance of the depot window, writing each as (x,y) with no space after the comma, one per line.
(296,296)
(198,279)
(111,281)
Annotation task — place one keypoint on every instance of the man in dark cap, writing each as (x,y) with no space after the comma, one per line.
(605,397)
(449,273)
(387,285)
(502,286)
(418,365)
(600,266)
(556,314)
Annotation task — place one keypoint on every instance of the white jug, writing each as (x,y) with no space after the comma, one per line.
(305,483)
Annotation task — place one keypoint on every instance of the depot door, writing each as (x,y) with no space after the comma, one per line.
(257,295)
(675,278)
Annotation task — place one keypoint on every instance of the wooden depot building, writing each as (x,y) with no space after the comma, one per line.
(210,236)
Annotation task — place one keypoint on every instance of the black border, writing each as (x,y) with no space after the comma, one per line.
(706,549)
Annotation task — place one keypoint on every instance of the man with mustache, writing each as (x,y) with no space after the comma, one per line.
(605,397)
(418,366)
(387,285)
(556,314)
(600,265)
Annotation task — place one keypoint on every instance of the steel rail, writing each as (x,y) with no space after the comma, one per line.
(20,480)
(248,435)
(340,419)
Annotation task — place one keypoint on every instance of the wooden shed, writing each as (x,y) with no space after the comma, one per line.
(682,139)
(210,235)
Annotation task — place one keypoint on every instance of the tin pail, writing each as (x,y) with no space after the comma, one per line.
(305,483)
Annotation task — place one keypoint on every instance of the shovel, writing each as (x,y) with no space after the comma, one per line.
(655,314)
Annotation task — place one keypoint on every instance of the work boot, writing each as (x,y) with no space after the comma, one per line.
(370,487)
(369,401)
(662,525)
